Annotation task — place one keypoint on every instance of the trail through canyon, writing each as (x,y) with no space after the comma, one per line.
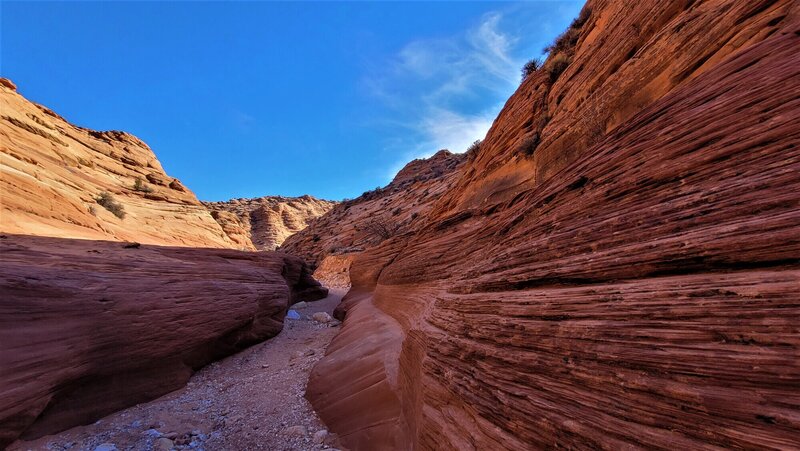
(252,400)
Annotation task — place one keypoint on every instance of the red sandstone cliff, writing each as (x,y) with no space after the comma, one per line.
(375,216)
(53,173)
(618,267)
(89,327)
(264,223)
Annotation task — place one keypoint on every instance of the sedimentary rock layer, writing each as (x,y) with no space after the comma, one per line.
(53,173)
(633,284)
(264,223)
(89,327)
(375,216)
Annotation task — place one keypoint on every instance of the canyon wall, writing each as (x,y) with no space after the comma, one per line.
(264,223)
(618,267)
(375,216)
(90,327)
(54,172)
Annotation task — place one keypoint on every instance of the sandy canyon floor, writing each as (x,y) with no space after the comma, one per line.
(252,400)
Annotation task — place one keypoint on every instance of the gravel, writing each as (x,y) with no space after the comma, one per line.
(252,400)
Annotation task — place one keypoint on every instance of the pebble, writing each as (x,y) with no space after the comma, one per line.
(296,430)
(322,317)
(301,304)
(106,447)
(320,436)
(292,314)
(163,444)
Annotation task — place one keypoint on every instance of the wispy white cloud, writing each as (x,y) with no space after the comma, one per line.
(444,93)
(439,87)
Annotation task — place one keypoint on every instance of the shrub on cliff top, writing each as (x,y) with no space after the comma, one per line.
(530,67)
(107,201)
(473,149)
(582,18)
(557,65)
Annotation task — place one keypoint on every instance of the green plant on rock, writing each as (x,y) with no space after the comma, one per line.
(530,67)
(141,186)
(107,201)
(557,65)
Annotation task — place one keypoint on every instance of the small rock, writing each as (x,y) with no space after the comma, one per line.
(301,304)
(292,314)
(310,352)
(320,436)
(106,447)
(299,431)
(163,444)
(322,317)
(265,366)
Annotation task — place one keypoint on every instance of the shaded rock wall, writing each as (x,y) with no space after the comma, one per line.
(89,327)
(639,289)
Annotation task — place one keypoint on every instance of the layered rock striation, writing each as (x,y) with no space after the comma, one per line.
(264,223)
(618,266)
(376,216)
(62,180)
(89,327)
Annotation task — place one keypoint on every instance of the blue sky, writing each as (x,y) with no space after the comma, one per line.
(245,99)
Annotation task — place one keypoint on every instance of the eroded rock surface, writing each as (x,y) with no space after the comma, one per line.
(375,216)
(264,223)
(89,327)
(53,173)
(629,278)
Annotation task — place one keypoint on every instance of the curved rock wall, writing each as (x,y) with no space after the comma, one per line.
(638,291)
(90,327)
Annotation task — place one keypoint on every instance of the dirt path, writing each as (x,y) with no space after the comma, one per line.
(251,400)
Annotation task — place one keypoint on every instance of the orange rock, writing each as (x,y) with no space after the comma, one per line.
(264,223)
(53,172)
(616,268)
(354,225)
(90,327)
(6,83)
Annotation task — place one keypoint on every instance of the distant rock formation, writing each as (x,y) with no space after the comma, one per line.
(615,268)
(54,173)
(264,223)
(89,327)
(375,216)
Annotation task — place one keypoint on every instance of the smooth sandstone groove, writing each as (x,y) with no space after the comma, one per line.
(90,327)
(632,288)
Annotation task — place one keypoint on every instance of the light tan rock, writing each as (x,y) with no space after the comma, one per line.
(322,317)
(264,223)
(52,172)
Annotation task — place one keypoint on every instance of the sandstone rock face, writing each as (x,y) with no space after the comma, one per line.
(53,173)
(375,216)
(264,223)
(89,327)
(626,278)
(334,270)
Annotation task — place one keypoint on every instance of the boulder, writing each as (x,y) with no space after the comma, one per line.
(90,327)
